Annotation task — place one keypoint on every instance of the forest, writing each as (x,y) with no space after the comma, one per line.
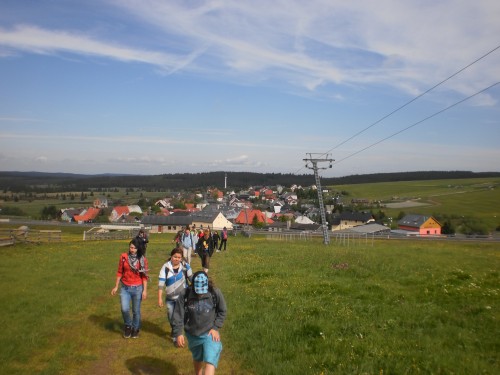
(40,182)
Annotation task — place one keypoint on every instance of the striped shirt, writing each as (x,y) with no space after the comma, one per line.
(174,282)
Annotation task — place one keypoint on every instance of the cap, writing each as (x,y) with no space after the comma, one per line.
(200,282)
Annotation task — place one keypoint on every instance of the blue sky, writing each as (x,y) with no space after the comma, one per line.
(152,87)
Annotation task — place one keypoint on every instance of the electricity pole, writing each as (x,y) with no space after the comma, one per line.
(312,163)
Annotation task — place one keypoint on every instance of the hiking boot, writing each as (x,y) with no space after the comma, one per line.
(127,332)
(135,333)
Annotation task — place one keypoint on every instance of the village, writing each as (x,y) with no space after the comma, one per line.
(257,208)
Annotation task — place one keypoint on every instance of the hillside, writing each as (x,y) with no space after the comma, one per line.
(53,182)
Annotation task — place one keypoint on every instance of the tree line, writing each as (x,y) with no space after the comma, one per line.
(39,182)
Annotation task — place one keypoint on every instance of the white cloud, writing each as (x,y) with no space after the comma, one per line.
(345,53)
(311,44)
(37,40)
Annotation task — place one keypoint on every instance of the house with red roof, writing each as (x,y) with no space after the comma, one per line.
(247,216)
(122,213)
(87,216)
(118,212)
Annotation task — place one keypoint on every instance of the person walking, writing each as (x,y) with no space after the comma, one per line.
(200,233)
(174,277)
(200,312)
(177,238)
(133,278)
(223,239)
(205,249)
(216,238)
(142,240)
(188,242)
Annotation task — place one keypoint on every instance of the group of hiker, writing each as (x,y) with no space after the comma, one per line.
(194,304)
(189,240)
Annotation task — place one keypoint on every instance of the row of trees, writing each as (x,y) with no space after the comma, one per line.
(54,182)
(30,196)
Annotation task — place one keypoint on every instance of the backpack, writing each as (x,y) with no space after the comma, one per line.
(224,235)
(186,298)
(190,236)
(184,270)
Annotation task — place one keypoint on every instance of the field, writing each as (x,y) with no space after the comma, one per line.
(33,206)
(391,307)
(475,197)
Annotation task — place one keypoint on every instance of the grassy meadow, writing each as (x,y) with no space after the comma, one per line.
(391,307)
(475,197)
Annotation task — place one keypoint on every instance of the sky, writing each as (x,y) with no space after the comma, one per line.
(152,87)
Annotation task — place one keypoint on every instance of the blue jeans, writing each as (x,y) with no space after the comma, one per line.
(170,310)
(131,294)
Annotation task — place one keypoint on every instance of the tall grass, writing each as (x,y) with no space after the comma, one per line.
(400,308)
(294,308)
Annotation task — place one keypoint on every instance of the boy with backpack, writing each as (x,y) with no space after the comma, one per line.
(175,276)
(188,242)
(200,311)
(223,239)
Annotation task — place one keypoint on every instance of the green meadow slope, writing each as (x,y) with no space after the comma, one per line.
(388,307)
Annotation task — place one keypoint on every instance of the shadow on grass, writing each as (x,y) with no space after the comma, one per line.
(116,325)
(150,365)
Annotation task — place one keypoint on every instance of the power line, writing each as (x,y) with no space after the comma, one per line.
(419,122)
(415,98)
(409,102)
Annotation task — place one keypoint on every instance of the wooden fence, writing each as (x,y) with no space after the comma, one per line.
(13,236)
(97,234)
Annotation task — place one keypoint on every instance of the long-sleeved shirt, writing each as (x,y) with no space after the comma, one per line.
(188,240)
(201,314)
(174,282)
(128,276)
(205,244)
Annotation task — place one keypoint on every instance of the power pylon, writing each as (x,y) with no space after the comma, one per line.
(312,163)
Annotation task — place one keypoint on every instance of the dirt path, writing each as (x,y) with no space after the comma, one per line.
(152,353)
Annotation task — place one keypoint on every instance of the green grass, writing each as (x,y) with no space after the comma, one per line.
(397,307)
(33,206)
(385,191)
(464,197)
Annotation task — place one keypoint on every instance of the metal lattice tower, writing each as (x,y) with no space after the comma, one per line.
(312,163)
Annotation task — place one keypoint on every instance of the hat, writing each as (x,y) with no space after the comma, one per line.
(200,282)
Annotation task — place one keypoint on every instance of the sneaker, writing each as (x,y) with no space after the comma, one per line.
(135,333)
(127,332)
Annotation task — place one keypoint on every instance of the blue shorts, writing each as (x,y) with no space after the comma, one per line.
(204,349)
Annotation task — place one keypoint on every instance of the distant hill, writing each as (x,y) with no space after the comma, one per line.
(52,182)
